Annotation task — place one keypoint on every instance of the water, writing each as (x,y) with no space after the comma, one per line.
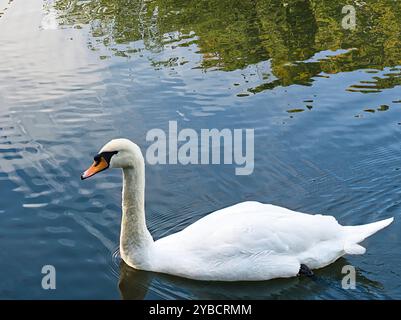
(324,103)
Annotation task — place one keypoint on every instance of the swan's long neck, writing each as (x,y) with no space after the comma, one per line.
(135,240)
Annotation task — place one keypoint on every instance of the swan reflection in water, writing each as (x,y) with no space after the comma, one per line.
(137,285)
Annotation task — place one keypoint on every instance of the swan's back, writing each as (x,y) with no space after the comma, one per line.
(256,222)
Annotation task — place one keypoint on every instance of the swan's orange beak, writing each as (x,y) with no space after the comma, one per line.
(98,165)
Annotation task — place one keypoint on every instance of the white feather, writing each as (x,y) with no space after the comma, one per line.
(253,241)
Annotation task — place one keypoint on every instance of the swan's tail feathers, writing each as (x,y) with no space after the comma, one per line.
(354,249)
(356,234)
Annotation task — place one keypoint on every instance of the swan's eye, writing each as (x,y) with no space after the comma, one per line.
(97,159)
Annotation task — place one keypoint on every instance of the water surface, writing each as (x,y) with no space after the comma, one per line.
(325,104)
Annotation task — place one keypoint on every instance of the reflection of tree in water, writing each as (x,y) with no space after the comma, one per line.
(114,22)
(233,34)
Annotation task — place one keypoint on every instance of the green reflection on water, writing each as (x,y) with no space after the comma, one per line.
(232,34)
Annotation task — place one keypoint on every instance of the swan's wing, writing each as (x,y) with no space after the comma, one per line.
(253,228)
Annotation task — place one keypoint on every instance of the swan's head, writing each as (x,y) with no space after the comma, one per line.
(118,153)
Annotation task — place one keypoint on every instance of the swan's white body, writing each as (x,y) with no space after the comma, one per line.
(247,241)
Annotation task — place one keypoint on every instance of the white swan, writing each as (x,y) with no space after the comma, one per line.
(247,241)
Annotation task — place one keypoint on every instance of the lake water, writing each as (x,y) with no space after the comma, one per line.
(325,104)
